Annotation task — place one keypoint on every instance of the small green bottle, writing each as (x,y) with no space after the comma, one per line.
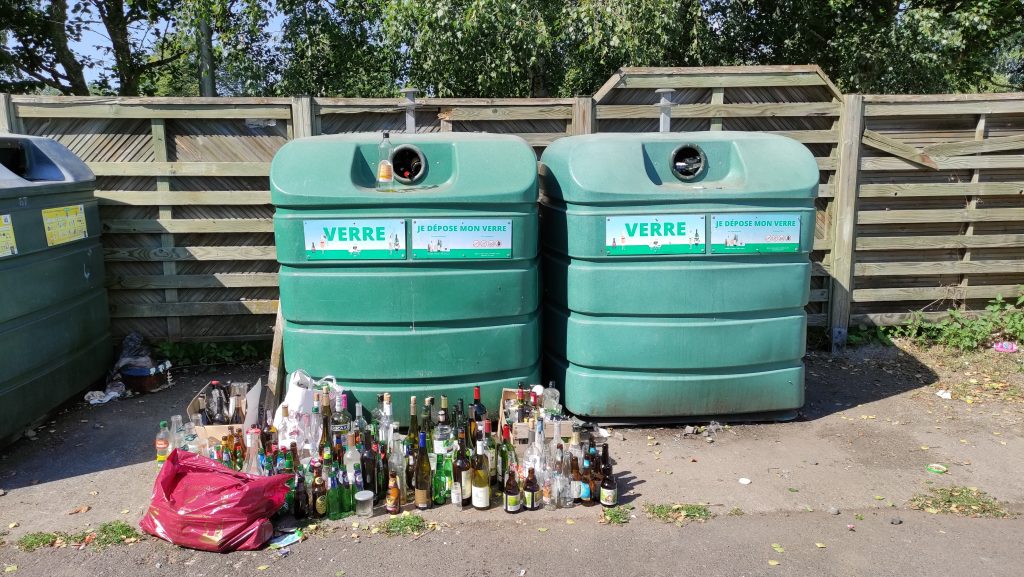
(334,496)
(348,499)
(442,481)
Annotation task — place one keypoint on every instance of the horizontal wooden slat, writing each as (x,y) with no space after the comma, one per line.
(890,319)
(976,146)
(220,280)
(945,162)
(953,292)
(822,244)
(722,80)
(944,108)
(941,189)
(826,191)
(827,163)
(817,320)
(819,295)
(146,310)
(391,108)
(231,338)
(933,268)
(182,225)
(119,110)
(212,253)
(539,138)
(180,168)
(808,136)
(155,100)
(612,111)
(939,242)
(506,113)
(183,197)
(940,215)
(903,150)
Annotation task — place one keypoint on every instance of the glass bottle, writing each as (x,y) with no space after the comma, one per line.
(462,469)
(534,456)
(393,502)
(414,424)
(506,453)
(443,431)
(360,424)
(252,465)
(609,494)
(531,491)
(190,439)
(586,496)
(477,414)
(521,408)
(301,499)
(576,483)
(177,429)
(386,422)
(368,462)
(385,170)
(162,442)
(410,473)
(427,422)
(341,422)
(511,500)
(348,493)
(491,450)
(481,491)
(318,495)
(422,474)
(442,482)
(335,498)
(352,458)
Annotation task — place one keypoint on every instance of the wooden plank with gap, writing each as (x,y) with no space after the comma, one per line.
(629,111)
(939,268)
(183,197)
(875,243)
(935,293)
(190,253)
(940,189)
(191,281)
(506,113)
(965,147)
(940,215)
(749,80)
(151,111)
(277,373)
(180,168)
(946,163)
(197,309)
(944,108)
(186,225)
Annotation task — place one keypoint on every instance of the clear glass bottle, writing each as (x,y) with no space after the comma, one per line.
(253,465)
(534,458)
(361,426)
(481,490)
(385,170)
(443,431)
(162,443)
(352,457)
(341,422)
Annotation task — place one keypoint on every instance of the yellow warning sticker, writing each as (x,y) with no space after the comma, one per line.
(64,224)
(8,246)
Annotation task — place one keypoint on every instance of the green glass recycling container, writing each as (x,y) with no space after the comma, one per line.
(427,287)
(54,323)
(676,271)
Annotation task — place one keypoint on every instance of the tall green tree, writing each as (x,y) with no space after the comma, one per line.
(44,37)
(880,46)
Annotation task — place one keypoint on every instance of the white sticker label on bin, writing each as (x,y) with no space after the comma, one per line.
(361,239)
(649,234)
(456,238)
(764,232)
(8,246)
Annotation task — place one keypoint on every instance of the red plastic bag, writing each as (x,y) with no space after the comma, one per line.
(201,504)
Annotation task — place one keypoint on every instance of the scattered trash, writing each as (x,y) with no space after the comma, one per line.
(778,548)
(10,568)
(820,545)
(2,492)
(12,525)
(833,510)
(896,521)
(688,430)
(851,527)
(937,468)
(744,481)
(1005,347)
(101,397)
(286,539)
(77,510)
(773,562)
(944,394)
(713,428)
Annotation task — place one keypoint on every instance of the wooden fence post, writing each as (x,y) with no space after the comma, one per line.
(844,235)
(302,117)
(584,121)
(8,121)
(158,127)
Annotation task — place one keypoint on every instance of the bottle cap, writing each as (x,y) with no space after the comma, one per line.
(163,423)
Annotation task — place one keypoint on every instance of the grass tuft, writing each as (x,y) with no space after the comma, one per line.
(616,515)
(112,533)
(679,513)
(404,524)
(34,541)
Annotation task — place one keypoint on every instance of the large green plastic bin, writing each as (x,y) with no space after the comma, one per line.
(54,323)
(676,272)
(428,289)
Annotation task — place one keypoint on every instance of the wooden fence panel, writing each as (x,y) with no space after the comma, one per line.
(920,201)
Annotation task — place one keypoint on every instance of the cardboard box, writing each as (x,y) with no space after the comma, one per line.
(218,431)
(521,431)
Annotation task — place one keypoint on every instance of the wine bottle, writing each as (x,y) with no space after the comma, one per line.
(422,474)
(506,454)
(414,424)
(531,491)
(443,431)
(511,500)
(481,492)
(462,469)
(576,483)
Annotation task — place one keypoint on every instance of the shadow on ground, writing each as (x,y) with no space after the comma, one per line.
(80,439)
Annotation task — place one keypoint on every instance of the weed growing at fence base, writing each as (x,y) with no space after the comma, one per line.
(183,354)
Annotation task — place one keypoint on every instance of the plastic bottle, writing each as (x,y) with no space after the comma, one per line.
(163,442)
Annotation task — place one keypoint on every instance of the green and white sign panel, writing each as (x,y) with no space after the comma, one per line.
(362,239)
(457,238)
(755,233)
(654,234)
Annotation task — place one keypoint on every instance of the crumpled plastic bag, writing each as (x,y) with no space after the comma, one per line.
(201,504)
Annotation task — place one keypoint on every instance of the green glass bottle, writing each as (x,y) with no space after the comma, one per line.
(348,498)
(442,484)
(334,497)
